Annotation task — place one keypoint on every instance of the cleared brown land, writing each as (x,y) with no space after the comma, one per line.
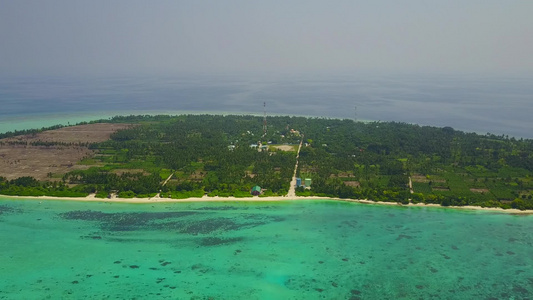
(91,133)
(286,147)
(440,188)
(19,158)
(342,175)
(422,178)
(346,174)
(131,171)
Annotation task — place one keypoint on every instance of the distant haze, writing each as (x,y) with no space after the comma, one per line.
(39,38)
(465,64)
(495,105)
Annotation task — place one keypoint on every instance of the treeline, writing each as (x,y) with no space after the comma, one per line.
(9,134)
(106,182)
(29,186)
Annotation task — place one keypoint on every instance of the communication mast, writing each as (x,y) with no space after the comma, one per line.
(264,119)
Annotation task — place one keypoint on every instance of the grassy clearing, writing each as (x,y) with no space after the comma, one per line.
(89,161)
(164,173)
(421,187)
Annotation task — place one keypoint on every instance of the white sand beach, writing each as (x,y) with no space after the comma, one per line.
(92,198)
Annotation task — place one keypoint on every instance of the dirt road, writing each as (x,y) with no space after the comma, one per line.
(292,188)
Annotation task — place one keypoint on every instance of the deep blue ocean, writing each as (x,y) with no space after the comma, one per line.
(478,104)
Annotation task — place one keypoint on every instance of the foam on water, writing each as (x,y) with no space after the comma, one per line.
(288,250)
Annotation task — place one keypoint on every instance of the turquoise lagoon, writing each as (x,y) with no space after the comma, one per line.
(273,250)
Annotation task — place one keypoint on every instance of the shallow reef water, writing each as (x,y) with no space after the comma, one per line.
(282,250)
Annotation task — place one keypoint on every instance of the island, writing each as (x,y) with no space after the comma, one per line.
(231,157)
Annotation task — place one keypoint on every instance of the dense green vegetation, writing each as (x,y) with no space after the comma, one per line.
(222,155)
(446,166)
(28,186)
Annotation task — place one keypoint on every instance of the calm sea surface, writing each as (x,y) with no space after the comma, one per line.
(287,250)
(496,105)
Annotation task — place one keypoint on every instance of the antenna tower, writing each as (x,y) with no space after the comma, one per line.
(264,119)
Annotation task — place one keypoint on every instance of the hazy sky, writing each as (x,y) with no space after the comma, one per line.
(179,37)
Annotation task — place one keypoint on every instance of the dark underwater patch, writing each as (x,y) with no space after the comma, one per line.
(6,209)
(163,221)
(90,215)
(123,221)
(351,223)
(263,218)
(404,236)
(213,225)
(215,241)
(200,268)
(355,292)
(520,290)
(91,237)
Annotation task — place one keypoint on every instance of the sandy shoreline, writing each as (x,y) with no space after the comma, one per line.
(152,200)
